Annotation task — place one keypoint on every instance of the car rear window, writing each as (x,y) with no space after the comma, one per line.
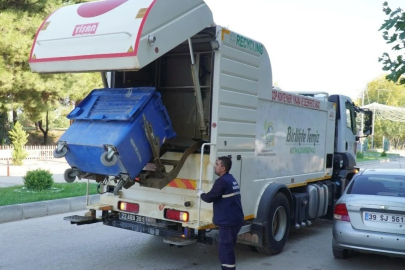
(383,185)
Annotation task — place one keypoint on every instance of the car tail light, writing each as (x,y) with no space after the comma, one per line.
(128,207)
(176,215)
(341,212)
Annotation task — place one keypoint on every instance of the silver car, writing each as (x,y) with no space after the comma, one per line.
(370,216)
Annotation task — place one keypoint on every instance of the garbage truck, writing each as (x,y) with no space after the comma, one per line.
(178,92)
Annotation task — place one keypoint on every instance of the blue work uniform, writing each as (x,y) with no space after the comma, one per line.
(228,216)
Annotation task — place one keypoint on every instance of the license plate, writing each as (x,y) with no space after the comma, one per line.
(131,217)
(388,218)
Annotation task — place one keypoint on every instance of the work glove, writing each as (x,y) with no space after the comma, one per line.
(199,192)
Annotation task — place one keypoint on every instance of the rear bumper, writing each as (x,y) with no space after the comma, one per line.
(346,237)
(154,230)
(143,228)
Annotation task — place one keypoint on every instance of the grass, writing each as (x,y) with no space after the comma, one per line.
(18,194)
(372,155)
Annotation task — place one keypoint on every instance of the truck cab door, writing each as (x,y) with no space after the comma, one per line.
(351,129)
(346,126)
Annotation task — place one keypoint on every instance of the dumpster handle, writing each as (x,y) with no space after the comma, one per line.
(200,180)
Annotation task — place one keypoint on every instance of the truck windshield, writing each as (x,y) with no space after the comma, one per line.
(350,117)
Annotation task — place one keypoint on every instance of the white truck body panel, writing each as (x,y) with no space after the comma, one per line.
(113,34)
(245,106)
(242,74)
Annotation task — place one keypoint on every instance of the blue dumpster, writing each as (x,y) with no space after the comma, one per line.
(109,126)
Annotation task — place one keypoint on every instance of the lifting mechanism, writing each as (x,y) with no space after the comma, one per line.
(159,177)
(195,67)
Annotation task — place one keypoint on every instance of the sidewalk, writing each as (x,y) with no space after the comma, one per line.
(368,162)
(38,209)
(11,175)
(55,166)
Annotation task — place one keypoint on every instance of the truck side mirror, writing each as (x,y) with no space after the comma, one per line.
(368,123)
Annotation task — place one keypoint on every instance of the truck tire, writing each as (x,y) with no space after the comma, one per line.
(276,233)
(245,247)
(108,162)
(61,153)
(340,253)
(70,175)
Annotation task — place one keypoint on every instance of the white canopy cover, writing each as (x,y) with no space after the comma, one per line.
(115,34)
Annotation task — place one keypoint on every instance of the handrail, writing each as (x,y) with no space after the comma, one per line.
(200,180)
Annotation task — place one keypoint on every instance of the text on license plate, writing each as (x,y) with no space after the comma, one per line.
(136,218)
(378,217)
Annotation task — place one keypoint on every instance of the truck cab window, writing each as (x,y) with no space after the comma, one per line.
(350,117)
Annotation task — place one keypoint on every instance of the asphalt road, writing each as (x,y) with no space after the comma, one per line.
(50,243)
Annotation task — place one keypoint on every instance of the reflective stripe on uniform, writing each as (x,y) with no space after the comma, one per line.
(230,195)
(229,265)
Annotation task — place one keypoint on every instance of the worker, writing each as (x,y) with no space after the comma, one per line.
(228,212)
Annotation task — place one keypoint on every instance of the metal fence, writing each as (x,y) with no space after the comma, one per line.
(44,152)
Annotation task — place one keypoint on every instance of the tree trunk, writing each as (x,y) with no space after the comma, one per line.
(15,117)
(396,143)
(44,131)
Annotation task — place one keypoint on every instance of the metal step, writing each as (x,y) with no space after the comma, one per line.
(100,206)
(79,220)
(179,241)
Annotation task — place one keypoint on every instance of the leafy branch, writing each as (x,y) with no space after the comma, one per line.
(394,33)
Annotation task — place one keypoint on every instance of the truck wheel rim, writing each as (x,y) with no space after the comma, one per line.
(279,223)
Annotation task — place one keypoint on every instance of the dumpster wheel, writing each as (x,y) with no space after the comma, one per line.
(61,153)
(108,162)
(70,175)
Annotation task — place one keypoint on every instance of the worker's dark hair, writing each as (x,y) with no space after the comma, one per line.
(226,162)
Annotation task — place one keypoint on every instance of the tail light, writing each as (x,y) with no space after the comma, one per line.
(176,215)
(341,212)
(128,207)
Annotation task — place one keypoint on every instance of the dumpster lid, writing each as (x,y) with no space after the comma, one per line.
(113,104)
(115,34)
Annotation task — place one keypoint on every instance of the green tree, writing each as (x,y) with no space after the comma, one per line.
(388,93)
(20,89)
(394,33)
(18,139)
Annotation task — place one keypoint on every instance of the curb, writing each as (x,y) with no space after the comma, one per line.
(44,208)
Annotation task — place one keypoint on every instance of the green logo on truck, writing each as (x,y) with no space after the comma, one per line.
(268,136)
(246,43)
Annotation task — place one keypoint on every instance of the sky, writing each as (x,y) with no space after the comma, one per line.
(314,45)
